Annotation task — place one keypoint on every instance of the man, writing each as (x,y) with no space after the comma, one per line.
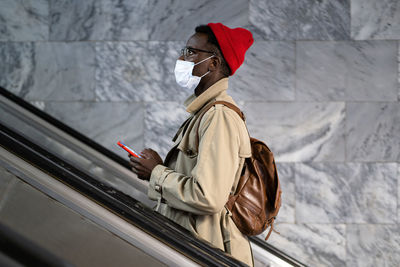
(194,183)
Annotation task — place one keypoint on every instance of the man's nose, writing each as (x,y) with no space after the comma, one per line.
(181,57)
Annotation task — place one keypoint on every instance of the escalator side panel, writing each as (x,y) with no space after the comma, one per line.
(72,226)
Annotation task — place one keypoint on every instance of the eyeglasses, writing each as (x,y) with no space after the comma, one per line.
(189,51)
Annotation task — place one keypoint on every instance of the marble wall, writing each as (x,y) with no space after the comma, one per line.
(320,85)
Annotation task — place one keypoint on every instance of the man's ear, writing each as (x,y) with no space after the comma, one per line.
(215,63)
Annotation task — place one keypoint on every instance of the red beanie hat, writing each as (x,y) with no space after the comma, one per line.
(233,42)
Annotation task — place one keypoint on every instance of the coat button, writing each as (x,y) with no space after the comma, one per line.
(157,188)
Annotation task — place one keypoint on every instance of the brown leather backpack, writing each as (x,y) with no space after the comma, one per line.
(257,199)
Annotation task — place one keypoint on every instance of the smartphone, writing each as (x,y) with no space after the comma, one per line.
(128,149)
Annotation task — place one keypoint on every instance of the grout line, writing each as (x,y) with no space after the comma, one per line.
(322,101)
(346,229)
(95,67)
(295,73)
(339,162)
(295,191)
(350,24)
(145,107)
(398,70)
(48,20)
(345,133)
(339,223)
(397,193)
(180,41)
(244,102)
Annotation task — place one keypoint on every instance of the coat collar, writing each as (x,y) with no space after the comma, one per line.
(194,103)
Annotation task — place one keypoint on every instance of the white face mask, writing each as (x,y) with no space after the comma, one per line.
(184,76)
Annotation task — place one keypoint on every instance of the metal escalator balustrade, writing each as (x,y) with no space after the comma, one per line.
(16,250)
(100,172)
(124,206)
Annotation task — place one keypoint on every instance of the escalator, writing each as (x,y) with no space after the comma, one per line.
(77,200)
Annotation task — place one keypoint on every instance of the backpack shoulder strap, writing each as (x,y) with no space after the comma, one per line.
(233,107)
(207,107)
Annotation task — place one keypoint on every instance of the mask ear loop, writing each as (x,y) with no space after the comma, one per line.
(204,74)
(204,60)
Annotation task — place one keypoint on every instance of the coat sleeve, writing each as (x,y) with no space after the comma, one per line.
(207,189)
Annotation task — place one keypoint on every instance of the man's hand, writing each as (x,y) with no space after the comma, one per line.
(145,165)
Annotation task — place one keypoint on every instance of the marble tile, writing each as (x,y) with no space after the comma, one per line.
(64,72)
(299,131)
(98,20)
(362,71)
(18,68)
(22,20)
(375,19)
(312,244)
(273,20)
(323,20)
(346,192)
(137,71)
(48,71)
(105,123)
(398,192)
(267,74)
(373,245)
(162,120)
(372,131)
(286,176)
(398,65)
(372,71)
(297,20)
(320,71)
(177,20)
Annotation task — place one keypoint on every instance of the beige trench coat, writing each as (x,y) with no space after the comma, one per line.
(195,185)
